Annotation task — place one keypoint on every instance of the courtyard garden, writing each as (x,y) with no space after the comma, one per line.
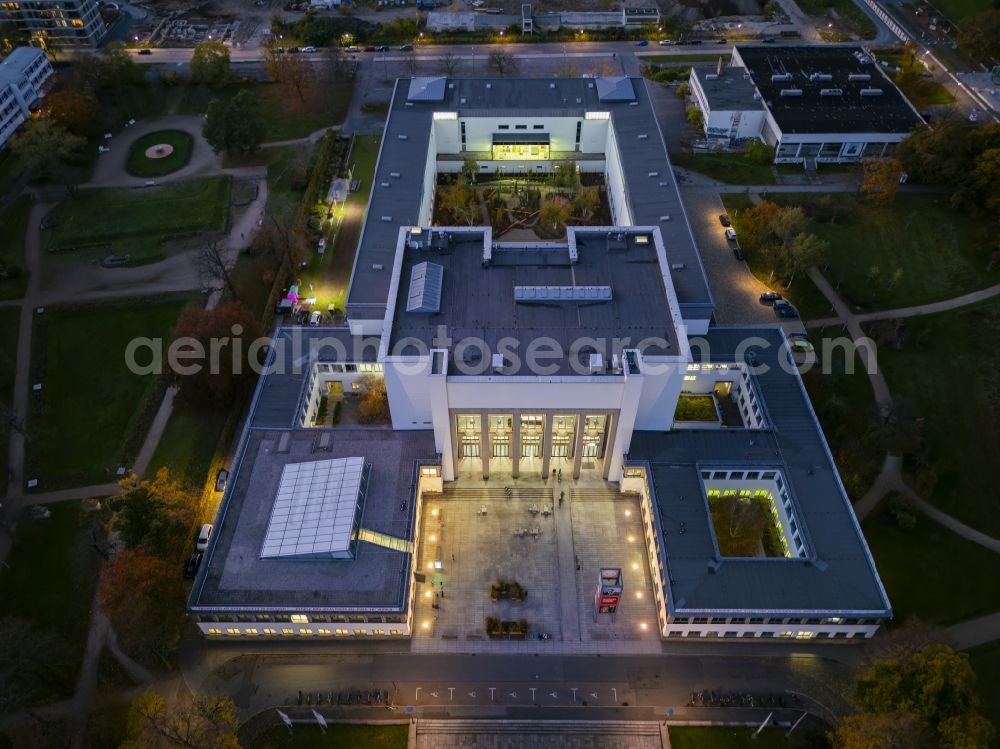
(136,223)
(929,571)
(696,408)
(522,207)
(159,153)
(743,526)
(14,220)
(91,414)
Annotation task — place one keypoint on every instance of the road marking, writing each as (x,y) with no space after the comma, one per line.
(513,695)
(593,695)
(416,696)
(554,695)
(434,695)
(451,693)
(492,690)
(532,690)
(472,695)
(574,693)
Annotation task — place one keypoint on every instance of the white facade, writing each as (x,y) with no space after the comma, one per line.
(730,126)
(22,75)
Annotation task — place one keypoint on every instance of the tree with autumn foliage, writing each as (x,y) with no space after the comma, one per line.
(739,524)
(157,514)
(777,235)
(881,179)
(228,330)
(554,213)
(73,110)
(143,595)
(199,722)
(374,405)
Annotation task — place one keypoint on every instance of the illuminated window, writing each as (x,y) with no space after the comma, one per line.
(343,631)
(521,147)
(288,631)
(270,631)
(597,116)
(305,631)
(324,632)
(430,471)
(214,631)
(250,631)
(232,631)
(300,619)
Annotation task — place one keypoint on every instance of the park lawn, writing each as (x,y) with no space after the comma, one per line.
(846,12)
(85,417)
(803,294)
(141,166)
(283,118)
(941,252)
(731,168)
(931,572)
(121,221)
(10,318)
(986,663)
(337,736)
(845,406)
(14,220)
(188,443)
(947,367)
(684,737)
(50,576)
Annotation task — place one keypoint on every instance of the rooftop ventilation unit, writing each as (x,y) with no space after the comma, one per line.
(643,136)
(871,92)
(821,77)
(711,76)
(561,294)
(596,363)
(489,85)
(791,92)
(498,363)
(859,77)
(778,77)
(394,174)
(677,266)
(402,136)
(831,92)
(552,85)
(425,288)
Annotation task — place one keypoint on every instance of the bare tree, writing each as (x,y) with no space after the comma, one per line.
(335,65)
(212,266)
(449,63)
(285,246)
(410,60)
(504,63)
(292,72)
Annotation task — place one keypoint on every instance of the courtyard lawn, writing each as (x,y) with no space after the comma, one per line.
(931,572)
(726,738)
(986,663)
(120,221)
(731,168)
(188,444)
(940,252)
(49,579)
(696,408)
(845,406)
(337,736)
(10,318)
(13,274)
(142,166)
(948,367)
(84,421)
(803,294)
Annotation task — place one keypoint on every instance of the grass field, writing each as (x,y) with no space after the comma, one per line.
(731,168)
(85,414)
(956,10)
(120,221)
(726,738)
(846,12)
(188,443)
(142,166)
(49,579)
(986,663)
(10,318)
(940,252)
(932,572)
(337,736)
(13,274)
(681,58)
(696,408)
(947,367)
(283,117)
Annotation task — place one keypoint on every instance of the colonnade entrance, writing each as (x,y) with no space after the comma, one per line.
(516,443)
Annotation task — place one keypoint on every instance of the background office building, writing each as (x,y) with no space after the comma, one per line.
(22,75)
(812,104)
(56,23)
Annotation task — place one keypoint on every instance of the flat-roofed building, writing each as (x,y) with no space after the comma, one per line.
(56,23)
(23,74)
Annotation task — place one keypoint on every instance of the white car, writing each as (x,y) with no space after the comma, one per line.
(203,537)
(308,49)
(664,42)
(731,234)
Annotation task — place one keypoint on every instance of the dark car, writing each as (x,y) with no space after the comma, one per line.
(192,566)
(221,479)
(293,50)
(770,297)
(724,220)
(406,48)
(737,253)
(768,40)
(382,48)
(721,40)
(370,48)
(145,51)
(786,311)
(696,41)
(642,43)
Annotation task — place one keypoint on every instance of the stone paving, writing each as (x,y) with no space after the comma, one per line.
(463,550)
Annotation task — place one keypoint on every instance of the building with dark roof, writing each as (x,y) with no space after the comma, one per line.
(819,103)
(525,360)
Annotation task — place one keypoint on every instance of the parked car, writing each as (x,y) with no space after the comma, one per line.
(405,47)
(370,48)
(696,41)
(721,40)
(145,52)
(293,50)
(786,311)
(642,43)
(353,50)
(737,253)
(192,566)
(314,318)
(724,220)
(778,303)
(221,479)
(382,48)
(731,234)
(308,49)
(664,42)
(801,344)
(768,40)
(770,297)
(203,537)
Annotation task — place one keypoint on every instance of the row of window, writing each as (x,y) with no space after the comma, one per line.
(304,619)
(767,620)
(521,127)
(300,632)
(765,635)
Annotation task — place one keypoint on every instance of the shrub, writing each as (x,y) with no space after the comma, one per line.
(759,152)
(903,511)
